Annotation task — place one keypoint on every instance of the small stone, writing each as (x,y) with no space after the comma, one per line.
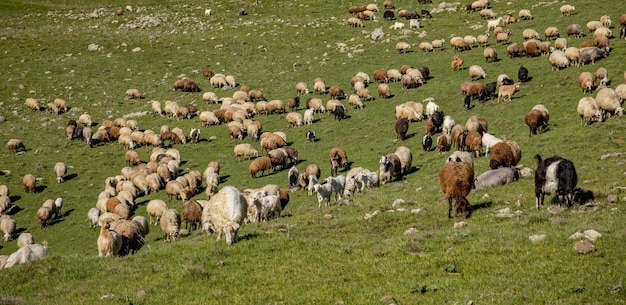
(553,209)
(142,293)
(410,231)
(418,211)
(387,298)
(328,216)
(526,172)
(592,235)
(137,49)
(183,232)
(537,237)
(397,202)
(458,225)
(107,297)
(612,198)
(584,247)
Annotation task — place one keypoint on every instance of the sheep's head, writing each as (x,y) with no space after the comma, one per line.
(230,231)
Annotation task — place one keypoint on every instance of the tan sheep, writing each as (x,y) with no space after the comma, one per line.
(32,104)
(60,169)
(29,183)
(15,145)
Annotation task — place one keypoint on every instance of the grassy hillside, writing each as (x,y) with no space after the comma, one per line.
(335,255)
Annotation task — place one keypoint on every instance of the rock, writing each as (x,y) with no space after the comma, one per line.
(410,231)
(611,198)
(142,293)
(458,225)
(591,235)
(387,298)
(526,172)
(537,237)
(94,47)
(183,232)
(584,247)
(397,202)
(553,209)
(418,211)
(137,49)
(328,216)
(557,220)
(107,297)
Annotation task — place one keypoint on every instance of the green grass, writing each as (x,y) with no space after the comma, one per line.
(303,257)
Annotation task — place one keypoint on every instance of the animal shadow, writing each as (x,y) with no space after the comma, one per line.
(70,177)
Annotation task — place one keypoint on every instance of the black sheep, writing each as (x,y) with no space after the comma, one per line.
(557,175)
(389,15)
(522,74)
(402,127)
(427,142)
(340,113)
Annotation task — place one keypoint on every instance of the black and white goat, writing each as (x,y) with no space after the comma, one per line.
(555,175)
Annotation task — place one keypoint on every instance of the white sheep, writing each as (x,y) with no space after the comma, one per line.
(448,123)
(170,224)
(431,106)
(609,102)
(58,204)
(366,179)
(492,24)
(620,90)
(312,183)
(588,110)
(396,26)
(489,141)
(324,192)
(25,239)
(60,169)
(558,60)
(7,226)
(265,204)
(225,213)
(476,71)
(414,24)
(92,216)
(246,150)
(155,209)
(338,184)
(5,202)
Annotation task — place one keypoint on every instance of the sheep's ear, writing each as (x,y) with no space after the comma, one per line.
(235,226)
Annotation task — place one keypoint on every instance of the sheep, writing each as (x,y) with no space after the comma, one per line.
(425,46)
(5,202)
(536,120)
(572,54)
(32,104)
(473,142)
(551,32)
(133,94)
(525,15)
(336,92)
(555,175)
(173,189)
(575,29)
(461,156)
(457,62)
(472,89)
(58,204)
(350,185)
(60,104)
(92,216)
(324,192)
(385,169)
(406,159)
(601,74)
(506,91)
(225,213)
(588,110)
(259,164)
(496,177)
(16,145)
(354,22)
(132,234)
(264,204)
(490,54)
(246,150)
(487,13)
(396,26)
(338,158)
(311,172)
(7,226)
(591,54)
(29,183)
(566,10)
(609,102)
(366,179)
(401,127)
(294,102)
(414,24)
(380,75)
(353,100)
(338,185)
(459,44)
(26,254)
(192,213)
(505,153)
(492,24)
(515,50)
(489,141)
(302,88)
(25,239)
(170,224)
(431,107)
(586,81)
(456,180)
(620,90)
(294,119)
(438,44)
(476,71)
(593,25)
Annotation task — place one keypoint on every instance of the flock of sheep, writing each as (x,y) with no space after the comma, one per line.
(227,208)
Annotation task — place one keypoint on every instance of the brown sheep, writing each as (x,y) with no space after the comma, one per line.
(44,214)
(192,214)
(336,92)
(380,75)
(490,54)
(29,182)
(515,50)
(505,153)
(259,164)
(472,89)
(536,120)
(456,180)
(384,91)
(457,62)
(586,81)
(474,142)
(338,158)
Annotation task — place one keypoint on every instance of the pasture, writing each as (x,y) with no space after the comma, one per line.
(392,244)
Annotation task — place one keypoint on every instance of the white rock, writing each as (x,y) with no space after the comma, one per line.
(537,237)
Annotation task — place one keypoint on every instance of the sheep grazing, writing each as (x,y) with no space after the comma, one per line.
(555,175)
(32,104)
(490,54)
(494,177)
(246,150)
(187,85)
(16,145)
(505,153)
(109,241)
(384,91)
(132,234)
(25,239)
(476,71)
(522,74)
(225,213)
(92,216)
(194,135)
(310,136)
(456,180)
(260,164)
(575,30)
(602,74)
(7,227)
(591,54)
(402,47)
(473,89)
(338,158)
(192,214)
(401,127)
(29,183)
(551,33)
(170,224)
(558,60)
(457,62)
(588,110)
(586,81)
(444,142)
(294,119)
(536,120)
(324,192)
(566,10)
(609,102)
(60,170)
(133,94)
(492,24)
(525,15)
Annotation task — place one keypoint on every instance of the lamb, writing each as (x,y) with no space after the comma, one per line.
(492,24)
(109,241)
(536,120)
(476,71)
(566,10)
(457,62)
(259,164)
(264,204)
(309,177)
(588,110)
(324,192)
(225,213)
(609,102)
(16,145)
(170,224)
(573,55)
(7,226)
(496,177)
(555,175)
(443,143)
(194,135)
(456,180)
(294,119)
(27,253)
(366,179)
(506,153)
(586,81)
(350,185)
(29,183)
(558,60)
(601,74)
(32,104)
(506,91)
